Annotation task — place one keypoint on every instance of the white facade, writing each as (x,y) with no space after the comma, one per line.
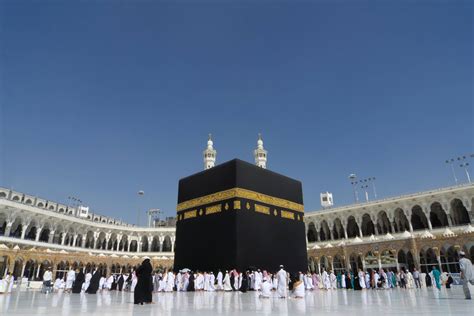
(430,210)
(34,222)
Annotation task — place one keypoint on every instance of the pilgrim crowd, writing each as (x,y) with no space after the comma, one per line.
(143,281)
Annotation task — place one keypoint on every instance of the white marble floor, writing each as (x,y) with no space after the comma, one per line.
(390,302)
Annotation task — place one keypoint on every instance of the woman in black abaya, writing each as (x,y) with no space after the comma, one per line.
(144,289)
(77,286)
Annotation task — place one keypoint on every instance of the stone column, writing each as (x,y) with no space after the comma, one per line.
(150,242)
(23,270)
(63,239)
(129,243)
(51,237)
(173,239)
(83,243)
(139,246)
(8,229)
(427,211)
(74,239)
(161,240)
(38,233)
(24,228)
(392,224)
(38,268)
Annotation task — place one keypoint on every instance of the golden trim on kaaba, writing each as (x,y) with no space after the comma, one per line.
(288,215)
(190,214)
(262,209)
(240,193)
(237,205)
(213,209)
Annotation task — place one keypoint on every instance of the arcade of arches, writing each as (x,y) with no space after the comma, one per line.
(422,253)
(418,217)
(32,264)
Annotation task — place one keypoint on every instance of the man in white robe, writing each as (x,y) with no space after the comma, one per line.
(333,280)
(467,274)
(170,282)
(220,285)
(70,277)
(298,289)
(212,282)
(326,281)
(266,289)
(257,280)
(109,282)
(87,281)
(57,284)
(227,284)
(282,285)
(199,282)
(162,282)
(206,281)
(102,282)
(134,282)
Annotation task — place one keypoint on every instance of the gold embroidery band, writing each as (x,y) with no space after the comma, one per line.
(240,193)
(213,209)
(288,215)
(190,214)
(262,209)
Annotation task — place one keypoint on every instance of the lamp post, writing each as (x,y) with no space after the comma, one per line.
(451,162)
(372,179)
(364,186)
(140,193)
(353,179)
(465,165)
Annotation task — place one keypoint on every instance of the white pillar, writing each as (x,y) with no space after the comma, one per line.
(24,228)
(173,239)
(38,233)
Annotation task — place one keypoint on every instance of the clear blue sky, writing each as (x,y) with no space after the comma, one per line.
(100,99)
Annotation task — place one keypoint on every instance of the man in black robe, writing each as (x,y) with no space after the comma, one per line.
(120,282)
(191,282)
(77,285)
(245,282)
(94,283)
(428,280)
(144,288)
(114,283)
(232,280)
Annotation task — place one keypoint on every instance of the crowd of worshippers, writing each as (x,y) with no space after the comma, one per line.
(142,281)
(250,280)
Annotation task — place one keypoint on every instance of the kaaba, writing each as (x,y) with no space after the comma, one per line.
(238,215)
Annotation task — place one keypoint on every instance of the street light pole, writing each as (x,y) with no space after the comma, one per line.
(451,162)
(372,179)
(140,193)
(465,165)
(353,178)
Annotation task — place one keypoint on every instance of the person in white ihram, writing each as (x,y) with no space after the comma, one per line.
(220,285)
(266,289)
(467,274)
(282,277)
(70,277)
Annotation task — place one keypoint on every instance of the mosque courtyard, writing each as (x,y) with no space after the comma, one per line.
(340,302)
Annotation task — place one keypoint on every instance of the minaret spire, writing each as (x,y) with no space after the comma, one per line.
(260,154)
(209,154)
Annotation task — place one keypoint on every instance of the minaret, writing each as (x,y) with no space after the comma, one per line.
(260,154)
(209,155)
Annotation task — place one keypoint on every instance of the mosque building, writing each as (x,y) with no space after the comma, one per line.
(415,230)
